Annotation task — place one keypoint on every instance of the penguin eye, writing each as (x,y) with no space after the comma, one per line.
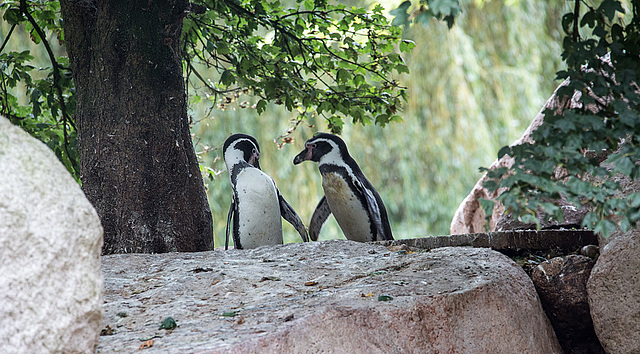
(311,146)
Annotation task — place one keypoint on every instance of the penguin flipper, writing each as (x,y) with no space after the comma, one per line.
(231,212)
(289,214)
(374,211)
(319,217)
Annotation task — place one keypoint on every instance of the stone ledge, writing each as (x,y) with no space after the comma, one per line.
(565,241)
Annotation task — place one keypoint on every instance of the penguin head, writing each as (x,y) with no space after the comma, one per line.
(241,147)
(324,148)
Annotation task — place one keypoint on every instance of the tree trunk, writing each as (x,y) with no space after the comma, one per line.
(137,160)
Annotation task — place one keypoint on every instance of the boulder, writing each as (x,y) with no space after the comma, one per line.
(561,283)
(470,217)
(334,296)
(50,240)
(614,293)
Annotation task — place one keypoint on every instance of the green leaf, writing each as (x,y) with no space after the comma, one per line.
(335,124)
(424,17)
(444,7)
(400,15)
(625,224)
(407,45)
(13,16)
(505,150)
(261,106)
(402,69)
(625,165)
(605,228)
(565,125)
(588,19)
(222,48)
(487,206)
(230,313)
(385,298)
(590,220)
(227,78)
(343,75)
(635,200)
(169,323)
(567,22)
(610,7)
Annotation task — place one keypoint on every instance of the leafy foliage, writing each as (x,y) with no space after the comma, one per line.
(50,102)
(310,56)
(570,146)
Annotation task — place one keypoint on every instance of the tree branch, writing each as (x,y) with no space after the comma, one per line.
(7,38)
(576,21)
(204,81)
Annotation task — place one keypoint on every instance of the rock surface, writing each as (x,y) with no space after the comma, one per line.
(50,240)
(561,283)
(323,297)
(614,294)
(510,242)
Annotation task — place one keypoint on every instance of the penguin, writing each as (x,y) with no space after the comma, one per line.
(348,194)
(257,205)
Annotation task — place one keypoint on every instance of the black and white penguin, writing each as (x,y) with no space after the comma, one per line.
(257,205)
(348,194)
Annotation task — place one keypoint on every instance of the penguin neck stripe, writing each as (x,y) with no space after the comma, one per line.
(236,169)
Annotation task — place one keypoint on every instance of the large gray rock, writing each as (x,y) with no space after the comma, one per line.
(50,239)
(323,297)
(470,217)
(614,293)
(561,283)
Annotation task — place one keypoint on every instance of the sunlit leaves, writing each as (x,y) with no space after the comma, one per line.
(334,59)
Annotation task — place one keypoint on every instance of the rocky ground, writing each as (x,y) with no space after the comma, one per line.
(331,296)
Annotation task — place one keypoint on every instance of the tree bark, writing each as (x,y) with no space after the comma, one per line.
(137,160)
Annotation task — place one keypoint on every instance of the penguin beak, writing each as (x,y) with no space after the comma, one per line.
(304,155)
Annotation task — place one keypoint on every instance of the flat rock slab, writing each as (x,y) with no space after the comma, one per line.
(323,297)
(564,241)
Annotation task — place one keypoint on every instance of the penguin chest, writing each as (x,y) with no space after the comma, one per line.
(258,209)
(350,213)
